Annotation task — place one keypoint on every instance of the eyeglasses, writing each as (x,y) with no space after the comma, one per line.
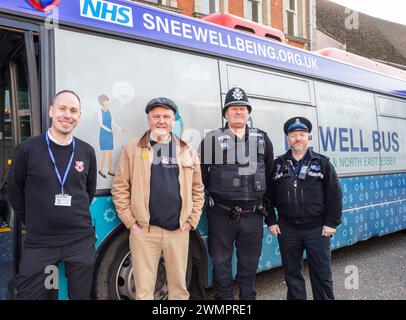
(296,135)
(165,117)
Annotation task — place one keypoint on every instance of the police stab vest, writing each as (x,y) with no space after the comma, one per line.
(238,171)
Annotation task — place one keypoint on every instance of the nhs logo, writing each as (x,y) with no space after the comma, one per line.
(107,11)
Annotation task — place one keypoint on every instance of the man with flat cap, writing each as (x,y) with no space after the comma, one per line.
(158,195)
(306,192)
(236,168)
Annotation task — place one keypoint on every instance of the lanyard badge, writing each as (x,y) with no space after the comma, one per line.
(224,142)
(303,172)
(261,146)
(62,199)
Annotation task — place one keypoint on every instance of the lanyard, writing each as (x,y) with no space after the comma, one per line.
(295,169)
(61,181)
(301,169)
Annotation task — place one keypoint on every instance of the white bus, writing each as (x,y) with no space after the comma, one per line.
(132,53)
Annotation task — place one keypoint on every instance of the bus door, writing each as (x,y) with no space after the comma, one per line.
(19,107)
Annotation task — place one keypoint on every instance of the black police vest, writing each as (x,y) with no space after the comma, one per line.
(238,171)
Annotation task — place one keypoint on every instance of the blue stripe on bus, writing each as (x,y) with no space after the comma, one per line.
(132,19)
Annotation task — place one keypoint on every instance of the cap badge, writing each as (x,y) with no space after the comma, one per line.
(237,94)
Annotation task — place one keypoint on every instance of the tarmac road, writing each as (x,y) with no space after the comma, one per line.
(381,265)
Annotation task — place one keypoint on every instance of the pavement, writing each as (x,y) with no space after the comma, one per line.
(379,262)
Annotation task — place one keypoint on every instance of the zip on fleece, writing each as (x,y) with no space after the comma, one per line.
(296,205)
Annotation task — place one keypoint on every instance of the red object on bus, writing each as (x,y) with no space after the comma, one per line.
(352,58)
(231,21)
(44,5)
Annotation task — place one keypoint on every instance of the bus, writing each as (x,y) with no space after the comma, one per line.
(132,53)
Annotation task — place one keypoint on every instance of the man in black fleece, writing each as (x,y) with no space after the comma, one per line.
(52,182)
(306,192)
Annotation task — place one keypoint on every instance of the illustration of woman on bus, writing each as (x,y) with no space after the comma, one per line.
(106,122)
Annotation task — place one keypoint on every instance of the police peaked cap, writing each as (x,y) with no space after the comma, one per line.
(236,97)
(161,102)
(297,124)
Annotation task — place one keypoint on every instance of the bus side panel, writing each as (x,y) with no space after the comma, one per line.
(373,206)
(104,218)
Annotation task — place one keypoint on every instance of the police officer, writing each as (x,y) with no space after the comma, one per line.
(236,165)
(306,192)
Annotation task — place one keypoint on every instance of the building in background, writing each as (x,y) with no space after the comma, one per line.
(289,16)
(358,33)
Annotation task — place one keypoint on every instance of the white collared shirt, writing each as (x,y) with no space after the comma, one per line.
(57,142)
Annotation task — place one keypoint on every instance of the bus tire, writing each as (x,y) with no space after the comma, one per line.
(114,280)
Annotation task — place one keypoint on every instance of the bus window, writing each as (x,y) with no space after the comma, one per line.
(270,116)
(261,83)
(143,73)
(391,107)
(392,127)
(347,122)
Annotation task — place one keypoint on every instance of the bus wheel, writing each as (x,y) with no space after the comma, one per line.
(114,277)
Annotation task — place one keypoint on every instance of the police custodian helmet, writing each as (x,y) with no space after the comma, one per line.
(297,124)
(236,97)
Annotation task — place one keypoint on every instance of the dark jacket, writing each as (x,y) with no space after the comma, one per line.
(33,184)
(214,159)
(313,201)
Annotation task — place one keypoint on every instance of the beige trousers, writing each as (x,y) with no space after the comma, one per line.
(146,248)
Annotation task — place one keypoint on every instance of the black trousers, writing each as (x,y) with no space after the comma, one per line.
(292,243)
(34,282)
(246,235)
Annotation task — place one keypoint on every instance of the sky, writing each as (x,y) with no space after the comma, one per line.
(392,10)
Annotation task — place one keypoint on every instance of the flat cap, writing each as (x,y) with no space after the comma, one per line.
(161,102)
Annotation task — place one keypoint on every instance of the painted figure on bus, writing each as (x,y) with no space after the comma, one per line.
(106,122)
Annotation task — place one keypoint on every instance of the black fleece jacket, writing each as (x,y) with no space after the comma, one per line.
(313,201)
